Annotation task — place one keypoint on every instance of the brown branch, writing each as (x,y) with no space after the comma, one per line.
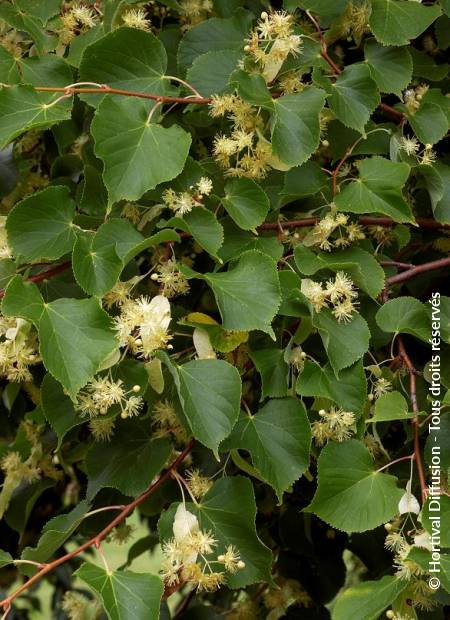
(395,263)
(305,222)
(44,275)
(365,220)
(96,540)
(324,46)
(337,70)
(410,273)
(415,421)
(105,89)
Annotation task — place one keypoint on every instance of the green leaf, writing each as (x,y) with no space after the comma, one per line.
(278,439)
(23,299)
(302,181)
(17,18)
(441,206)
(124,595)
(395,22)
(354,96)
(58,408)
(295,129)
(274,371)
(390,67)
(213,35)
(252,87)
(368,600)
(127,59)
(351,495)
(254,277)
(75,337)
(238,241)
(426,67)
(96,267)
(210,394)
(363,268)
(126,240)
(377,190)
(405,315)
(163,236)
(41,226)
(391,406)
(22,109)
(345,343)
(206,230)
(132,448)
(349,391)
(43,10)
(5,558)
(430,122)
(138,155)
(9,72)
(210,72)
(246,203)
(54,535)
(228,510)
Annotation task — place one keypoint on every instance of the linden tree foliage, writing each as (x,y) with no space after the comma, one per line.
(225,314)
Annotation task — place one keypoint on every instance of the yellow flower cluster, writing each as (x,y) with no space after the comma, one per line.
(77,606)
(143,324)
(339,295)
(75,20)
(196,8)
(411,147)
(244,152)
(183,202)
(172,281)
(272,42)
(355,21)
(288,592)
(181,555)
(136,18)
(334,223)
(407,569)
(102,393)
(102,429)
(18,349)
(335,424)
(198,484)
(412,97)
(167,423)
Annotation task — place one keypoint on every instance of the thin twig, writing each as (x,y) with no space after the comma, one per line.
(410,273)
(395,263)
(415,421)
(337,70)
(44,275)
(402,458)
(5,604)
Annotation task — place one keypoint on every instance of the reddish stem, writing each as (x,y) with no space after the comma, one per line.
(337,70)
(415,421)
(44,275)
(96,540)
(105,89)
(395,263)
(410,273)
